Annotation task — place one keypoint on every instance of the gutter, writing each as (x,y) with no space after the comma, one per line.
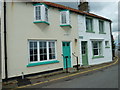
(5,43)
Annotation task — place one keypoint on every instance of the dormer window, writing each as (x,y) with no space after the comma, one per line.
(40,13)
(64,17)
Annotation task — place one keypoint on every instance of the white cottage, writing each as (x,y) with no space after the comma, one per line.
(94,40)
(38,37)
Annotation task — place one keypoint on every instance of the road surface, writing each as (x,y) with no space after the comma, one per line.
(107,78)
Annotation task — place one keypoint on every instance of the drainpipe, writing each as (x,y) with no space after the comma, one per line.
(5,42)
(111,38)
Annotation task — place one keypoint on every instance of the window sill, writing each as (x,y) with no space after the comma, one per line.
(107,47)
(66,25)
(42,63)
(94,57)
(102,33)
(42,22)
(90,31)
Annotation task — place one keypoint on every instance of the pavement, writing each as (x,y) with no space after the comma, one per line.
(55,76)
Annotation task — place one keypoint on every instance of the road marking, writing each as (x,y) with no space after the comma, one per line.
(66,76)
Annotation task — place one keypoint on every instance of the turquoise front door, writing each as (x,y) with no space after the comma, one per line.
(66,54)
(84,53)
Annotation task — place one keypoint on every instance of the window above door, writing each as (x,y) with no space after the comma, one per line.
(65,18)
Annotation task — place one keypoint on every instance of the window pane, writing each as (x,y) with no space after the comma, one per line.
(43,50)
(63,17)
(41,58)
(87,27)
(35,57)
(51,50)
(95,44)
(31,58)
(31,45)
(106,43)
(33,51)
(51,56)
(63,44)
(38,12)
(101,27)
(95,51)
(88,24)
(100,52)
(39,16)
(46,14)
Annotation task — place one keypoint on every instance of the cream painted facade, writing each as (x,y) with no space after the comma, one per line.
(20,29)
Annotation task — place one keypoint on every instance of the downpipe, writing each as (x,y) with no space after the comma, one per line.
(5,43)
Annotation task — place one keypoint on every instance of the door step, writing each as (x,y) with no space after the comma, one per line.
(71,70)
(85,67)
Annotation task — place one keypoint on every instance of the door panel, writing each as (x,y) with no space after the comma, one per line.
(66,54)
(84,53)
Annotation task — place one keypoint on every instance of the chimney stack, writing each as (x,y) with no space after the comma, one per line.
(83,6)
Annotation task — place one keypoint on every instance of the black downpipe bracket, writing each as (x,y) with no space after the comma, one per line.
(5,43)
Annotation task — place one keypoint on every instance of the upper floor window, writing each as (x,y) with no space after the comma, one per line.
(89,24)
(65,17)
(101,26)
(40,12)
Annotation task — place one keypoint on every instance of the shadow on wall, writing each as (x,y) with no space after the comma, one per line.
(42,26)
(67,30)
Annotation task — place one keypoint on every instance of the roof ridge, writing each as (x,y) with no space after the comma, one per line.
(72,9)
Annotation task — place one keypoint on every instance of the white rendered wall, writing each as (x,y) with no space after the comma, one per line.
(107,52)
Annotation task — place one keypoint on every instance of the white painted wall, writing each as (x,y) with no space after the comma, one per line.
(20,28)
(107,52)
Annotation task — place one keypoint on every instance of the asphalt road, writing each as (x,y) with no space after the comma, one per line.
(108,78)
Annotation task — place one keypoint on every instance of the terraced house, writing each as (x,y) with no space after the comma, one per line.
(40,36)
(94,40)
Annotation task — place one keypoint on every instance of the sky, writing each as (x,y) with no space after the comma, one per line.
(105,8)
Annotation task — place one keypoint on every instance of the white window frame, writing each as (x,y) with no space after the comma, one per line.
(99,44)
(67,13)
(38,53)
(43,13)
